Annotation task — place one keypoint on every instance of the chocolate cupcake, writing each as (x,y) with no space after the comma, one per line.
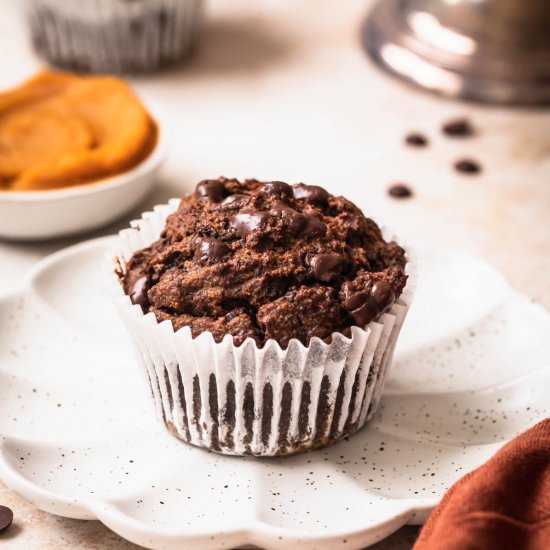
(265,315)
(113,36)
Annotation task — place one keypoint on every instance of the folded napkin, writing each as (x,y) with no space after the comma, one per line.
(504,504)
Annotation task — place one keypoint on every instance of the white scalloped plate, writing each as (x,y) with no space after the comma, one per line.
(79,437)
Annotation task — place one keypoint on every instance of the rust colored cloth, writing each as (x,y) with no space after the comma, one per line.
(503,505)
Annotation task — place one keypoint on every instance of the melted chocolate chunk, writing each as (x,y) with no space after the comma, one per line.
(235,199)
(279,188)
(211,189)
(356,299)
(367,306)
(327,267)
(246,221)
(311,193)
(468,166)
(314,226)
(6,518)
(459,127)
(365,312)
(384,295)
(416,140)
(400,191)
(138,292)
(295,221)
(209,248)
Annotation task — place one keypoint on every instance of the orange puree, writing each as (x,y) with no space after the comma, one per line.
(59,129)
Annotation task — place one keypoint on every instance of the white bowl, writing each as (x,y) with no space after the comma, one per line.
(41,215)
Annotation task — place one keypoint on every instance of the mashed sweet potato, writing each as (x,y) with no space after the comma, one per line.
(60,129)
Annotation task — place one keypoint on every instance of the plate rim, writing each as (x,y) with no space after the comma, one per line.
(407,510)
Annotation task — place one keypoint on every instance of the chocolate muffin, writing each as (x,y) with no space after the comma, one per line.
(264,315)
(266,260)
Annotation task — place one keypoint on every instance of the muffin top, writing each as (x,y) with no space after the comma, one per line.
(266,260)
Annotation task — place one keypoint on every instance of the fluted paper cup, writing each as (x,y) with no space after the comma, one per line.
(245,400)
(113,36)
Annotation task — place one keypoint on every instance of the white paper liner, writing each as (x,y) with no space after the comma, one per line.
(246,400)
(113,36)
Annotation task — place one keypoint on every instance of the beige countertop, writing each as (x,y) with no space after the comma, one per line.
(281,90)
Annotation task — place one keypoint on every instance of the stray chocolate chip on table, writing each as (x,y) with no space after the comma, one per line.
(6,517)
(459,127)
(468,166)
(400,191)
(416,140)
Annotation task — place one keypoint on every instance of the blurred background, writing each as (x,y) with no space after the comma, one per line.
(283,90)
(301,91)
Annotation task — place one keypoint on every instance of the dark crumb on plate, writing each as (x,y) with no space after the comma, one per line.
(400,191)
(467,166)
(459,127)
(416,140)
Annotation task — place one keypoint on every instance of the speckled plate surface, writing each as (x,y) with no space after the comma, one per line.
(79,437)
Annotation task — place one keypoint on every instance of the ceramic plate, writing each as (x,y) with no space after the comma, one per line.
(79,437)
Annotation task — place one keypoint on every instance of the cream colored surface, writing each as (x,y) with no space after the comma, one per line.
(280,89)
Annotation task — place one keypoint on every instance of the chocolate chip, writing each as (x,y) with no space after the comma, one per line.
(138,292)
(275,188)
(6,518)
(326,267)
(364,307)
(246,221)
(209,248)
(195,241)
(400,191)
(416,140)
(213,189)
(384,295)
(314,226)
(459,127)
(468,166)
(234,199)
(312,193)
(293,220)
(356,299)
